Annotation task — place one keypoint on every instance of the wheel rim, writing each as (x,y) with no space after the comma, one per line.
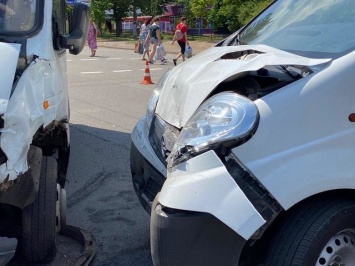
(339,251)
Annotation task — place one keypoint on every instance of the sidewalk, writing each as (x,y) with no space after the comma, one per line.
(197,46)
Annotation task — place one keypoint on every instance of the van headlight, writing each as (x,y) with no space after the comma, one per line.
(152,104)
(225,118)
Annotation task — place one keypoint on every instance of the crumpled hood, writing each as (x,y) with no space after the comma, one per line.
(9,53)
(188,85)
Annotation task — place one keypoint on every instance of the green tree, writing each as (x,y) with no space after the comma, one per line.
(188,13)
(98,8)
(153,7)
(231,13)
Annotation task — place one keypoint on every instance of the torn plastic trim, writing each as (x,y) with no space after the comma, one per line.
(188,85)
(257,194)
(36,101)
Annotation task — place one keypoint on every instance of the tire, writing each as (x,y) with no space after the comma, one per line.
(39,218)
(319,227)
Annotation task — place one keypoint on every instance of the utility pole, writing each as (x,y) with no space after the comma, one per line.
(134,22)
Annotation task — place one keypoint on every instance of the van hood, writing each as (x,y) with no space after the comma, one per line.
(188,85)
(9,54)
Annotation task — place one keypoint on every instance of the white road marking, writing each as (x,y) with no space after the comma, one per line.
(70,60)
(140,58)
(113,58)
(94,72)
(89,59)
(120,71)
(153,69)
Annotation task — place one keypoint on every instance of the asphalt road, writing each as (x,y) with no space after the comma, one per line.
(106,100)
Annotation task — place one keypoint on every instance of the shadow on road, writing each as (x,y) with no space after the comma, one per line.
(101,200)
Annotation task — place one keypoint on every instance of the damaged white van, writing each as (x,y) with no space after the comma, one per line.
(246,155)
(34,121)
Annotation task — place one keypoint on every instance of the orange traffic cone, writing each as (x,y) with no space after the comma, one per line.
(147,80)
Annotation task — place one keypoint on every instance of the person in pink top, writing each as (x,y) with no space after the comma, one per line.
(92,36)
(183,41)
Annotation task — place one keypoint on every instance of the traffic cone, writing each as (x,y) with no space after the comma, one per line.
(147,80)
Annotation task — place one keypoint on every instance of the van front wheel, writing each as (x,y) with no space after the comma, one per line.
(39,218)
(317,233)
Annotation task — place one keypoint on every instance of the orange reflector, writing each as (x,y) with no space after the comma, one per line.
(45,105)
(352,117)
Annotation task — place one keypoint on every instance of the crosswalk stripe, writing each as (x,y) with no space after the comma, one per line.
(120,71)
(93,72)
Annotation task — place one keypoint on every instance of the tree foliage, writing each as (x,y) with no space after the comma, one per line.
(122,8)
(230,13)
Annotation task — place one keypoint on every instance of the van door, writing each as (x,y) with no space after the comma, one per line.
(59,27)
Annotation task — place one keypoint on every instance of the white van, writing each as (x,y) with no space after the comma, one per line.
(246,154)
(34,121)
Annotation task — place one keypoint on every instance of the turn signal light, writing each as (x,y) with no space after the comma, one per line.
(352,117)
(45,105)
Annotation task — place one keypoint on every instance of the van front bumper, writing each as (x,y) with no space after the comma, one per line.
(191,238)
(148,172)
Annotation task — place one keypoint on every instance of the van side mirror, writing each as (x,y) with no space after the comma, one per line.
(78,31)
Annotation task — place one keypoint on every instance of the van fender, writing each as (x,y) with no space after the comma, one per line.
(203,184)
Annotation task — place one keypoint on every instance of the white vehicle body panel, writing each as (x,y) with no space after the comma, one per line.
(45,79)
(9,55)
(180,97)
(42,44)
(192,186)
(305,142)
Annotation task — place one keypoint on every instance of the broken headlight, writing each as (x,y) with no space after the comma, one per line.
(152,104)
(224,118)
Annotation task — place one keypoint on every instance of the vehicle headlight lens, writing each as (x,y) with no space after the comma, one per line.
(152,104)
(224,118)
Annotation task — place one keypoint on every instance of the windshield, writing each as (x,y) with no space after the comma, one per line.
(17,16)
(312,28)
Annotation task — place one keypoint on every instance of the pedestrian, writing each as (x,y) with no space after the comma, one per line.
(92,36)
(183,41)
(155,39)
(144,32)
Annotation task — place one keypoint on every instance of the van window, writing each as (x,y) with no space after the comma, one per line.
(17,15)
(310,28)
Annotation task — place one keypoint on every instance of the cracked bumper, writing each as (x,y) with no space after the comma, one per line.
(191,238)
(148,172)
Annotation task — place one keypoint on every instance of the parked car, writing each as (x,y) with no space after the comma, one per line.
(246,153)
(34,122)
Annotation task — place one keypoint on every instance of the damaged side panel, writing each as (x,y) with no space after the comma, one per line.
(37,100)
